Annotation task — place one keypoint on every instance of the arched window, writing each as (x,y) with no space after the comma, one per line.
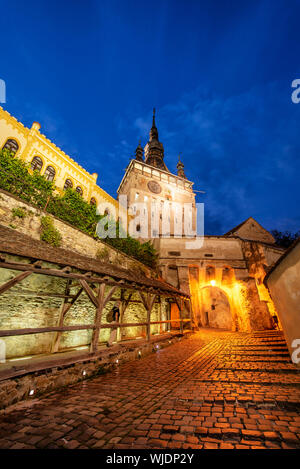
(107,212)
(93,201)
(79,190)
(210,273)
(68,184)
(227,275)
(49,173)
(36,164)
(11,145)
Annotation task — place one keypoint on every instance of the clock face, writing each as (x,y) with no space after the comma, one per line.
(153,186)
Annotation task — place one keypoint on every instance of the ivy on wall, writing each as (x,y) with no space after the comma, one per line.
(49,233)
(16,178)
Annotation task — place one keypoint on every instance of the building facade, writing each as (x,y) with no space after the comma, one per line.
(159,202)
(44,156)
(224,274)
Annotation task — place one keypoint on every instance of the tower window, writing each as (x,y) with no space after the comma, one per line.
(93,201)
(68,184)
(36,164)
(11,145)
(79,190)
(49,173)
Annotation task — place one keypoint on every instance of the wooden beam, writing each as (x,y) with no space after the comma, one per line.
(78,327)
(102,301)
(64,309)
(98,280)
(148,302)
(89,292)
(98,317)
(7,285)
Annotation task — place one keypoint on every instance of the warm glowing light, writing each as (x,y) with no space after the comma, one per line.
(213,283)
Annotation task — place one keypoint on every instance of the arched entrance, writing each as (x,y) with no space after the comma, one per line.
(215,308)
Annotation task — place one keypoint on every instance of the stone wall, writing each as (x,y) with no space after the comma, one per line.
(237,272)
(283,283)
(72,239)
(25,306)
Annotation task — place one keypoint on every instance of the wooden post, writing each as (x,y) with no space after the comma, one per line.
(191,313)
(179,304)
(148,303)
(100,302)
(98,317)
(180,315)
(160,317)
(124,304)
(64,309)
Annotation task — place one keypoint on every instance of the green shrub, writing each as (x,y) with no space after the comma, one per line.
(70,207)
(15,178)
(102,254)
(49,233)
(19,212)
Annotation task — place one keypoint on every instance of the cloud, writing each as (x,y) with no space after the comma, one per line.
(243,150)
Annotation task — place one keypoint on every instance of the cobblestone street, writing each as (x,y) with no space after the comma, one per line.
(213,390)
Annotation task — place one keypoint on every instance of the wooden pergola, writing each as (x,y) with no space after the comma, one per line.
(98,280)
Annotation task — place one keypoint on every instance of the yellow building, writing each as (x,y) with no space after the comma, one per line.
(43,155)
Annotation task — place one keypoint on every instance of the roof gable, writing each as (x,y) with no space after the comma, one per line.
(250,229)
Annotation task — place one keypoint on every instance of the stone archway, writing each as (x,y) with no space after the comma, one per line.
(215,308)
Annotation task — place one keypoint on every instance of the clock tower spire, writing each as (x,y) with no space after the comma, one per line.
(154,150)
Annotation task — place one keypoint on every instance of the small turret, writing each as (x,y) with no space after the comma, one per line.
(139,152)
(180,168)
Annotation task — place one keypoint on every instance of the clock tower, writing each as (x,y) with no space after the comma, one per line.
(156,198)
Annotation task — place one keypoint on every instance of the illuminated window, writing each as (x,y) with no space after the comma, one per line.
(79,190)
(93,201)
(49,173)
(210,273)
(227,275)
(36,164)
(68,184)
(12,146)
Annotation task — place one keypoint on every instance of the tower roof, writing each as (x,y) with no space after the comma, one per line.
(154,150)
(139,152)
(153,131)
(180,168)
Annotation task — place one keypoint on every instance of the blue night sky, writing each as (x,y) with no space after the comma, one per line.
(218,72)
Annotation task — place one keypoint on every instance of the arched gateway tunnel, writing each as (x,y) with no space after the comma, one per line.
(171,379)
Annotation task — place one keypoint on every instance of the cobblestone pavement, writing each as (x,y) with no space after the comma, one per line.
(213,390)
